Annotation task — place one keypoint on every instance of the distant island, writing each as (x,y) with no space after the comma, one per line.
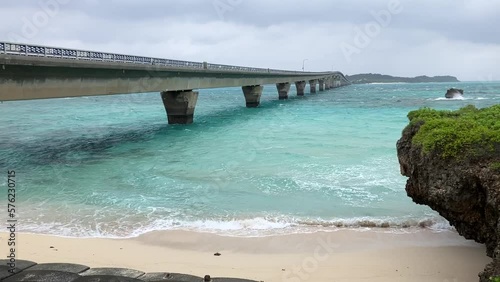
(381,78)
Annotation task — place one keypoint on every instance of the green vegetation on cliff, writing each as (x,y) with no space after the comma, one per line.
(496,166)
(465,132)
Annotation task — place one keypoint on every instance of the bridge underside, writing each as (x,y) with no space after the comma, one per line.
(24,78)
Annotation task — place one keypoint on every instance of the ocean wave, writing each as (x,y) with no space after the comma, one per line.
(252,227)
(457,98)
(387,83)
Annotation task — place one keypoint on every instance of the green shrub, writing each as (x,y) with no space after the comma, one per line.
(465,132)
(496,166)
(495,279)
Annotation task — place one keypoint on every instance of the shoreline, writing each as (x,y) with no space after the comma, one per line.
(342,255)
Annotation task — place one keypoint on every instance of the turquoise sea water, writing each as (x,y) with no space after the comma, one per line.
(110,166)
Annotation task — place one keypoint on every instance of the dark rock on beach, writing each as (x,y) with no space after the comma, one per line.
(464,190)
(67,272)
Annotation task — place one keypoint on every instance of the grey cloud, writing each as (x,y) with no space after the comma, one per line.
(462,20)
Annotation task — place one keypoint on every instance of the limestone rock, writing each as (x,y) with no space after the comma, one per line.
(466,192)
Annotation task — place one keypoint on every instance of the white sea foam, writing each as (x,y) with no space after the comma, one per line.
(455,98)
(458,98)
(252,227)
(387,83)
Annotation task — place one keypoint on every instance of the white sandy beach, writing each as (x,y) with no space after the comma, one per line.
(336,256)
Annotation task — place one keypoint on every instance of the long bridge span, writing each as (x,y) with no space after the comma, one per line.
(38,72)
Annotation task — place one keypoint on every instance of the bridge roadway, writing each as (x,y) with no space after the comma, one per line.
(37,72)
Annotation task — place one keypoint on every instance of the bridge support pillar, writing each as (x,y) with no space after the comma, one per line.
(338,82)
(321,85)
(312,84)
(180,106)
(283,89)
(327,84)
(301,86)
(252,95)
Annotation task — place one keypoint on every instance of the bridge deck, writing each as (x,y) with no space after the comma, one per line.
(36,72)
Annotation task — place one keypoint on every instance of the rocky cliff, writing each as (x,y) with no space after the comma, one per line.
(452,160)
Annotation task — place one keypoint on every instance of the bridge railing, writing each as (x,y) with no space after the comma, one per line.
(64,53)
(246,69)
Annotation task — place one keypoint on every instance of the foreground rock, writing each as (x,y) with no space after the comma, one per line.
(31,271)
(463,186)
(454,93)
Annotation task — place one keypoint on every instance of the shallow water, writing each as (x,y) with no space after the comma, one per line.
(110,166)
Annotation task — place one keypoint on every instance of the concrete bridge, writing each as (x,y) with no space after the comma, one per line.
(38,72)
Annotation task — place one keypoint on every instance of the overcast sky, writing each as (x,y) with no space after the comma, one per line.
(406,38)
